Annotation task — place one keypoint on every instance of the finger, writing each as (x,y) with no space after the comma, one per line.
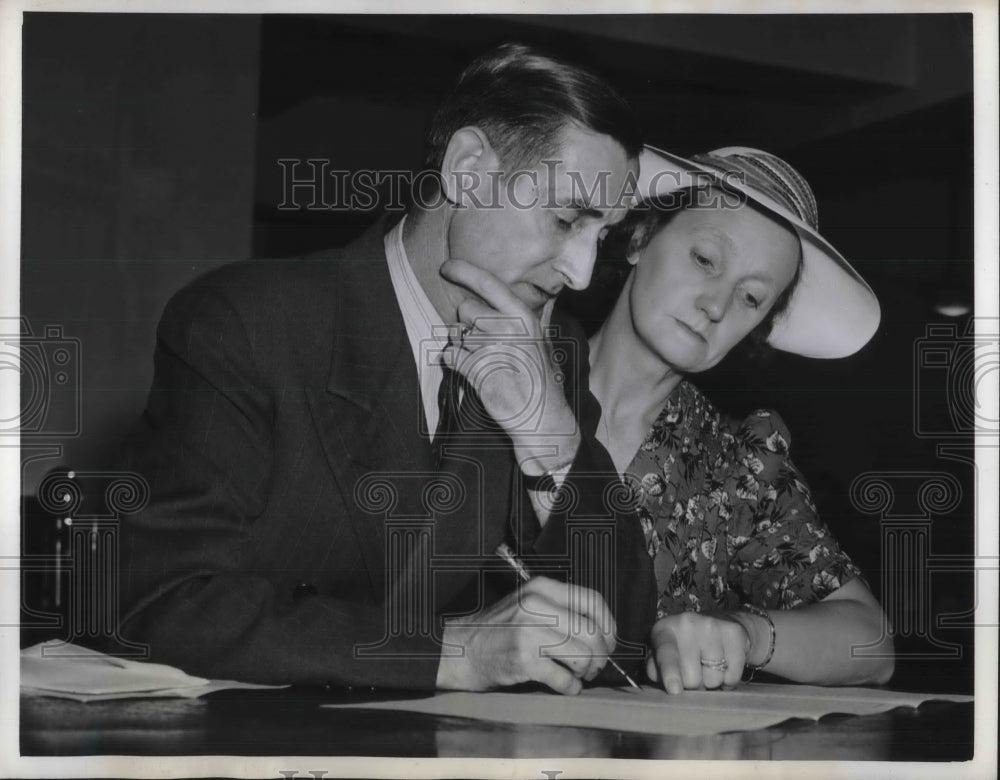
(708,638)
(714,665)
(574,639)
(690,661)
(470,310)
(668,663)
(736,641)
(488,321)
(578,656)
(651,672)
(589,640)
(557,677)
(487,286)
(582,601)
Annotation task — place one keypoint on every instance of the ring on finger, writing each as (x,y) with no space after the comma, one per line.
(718,664)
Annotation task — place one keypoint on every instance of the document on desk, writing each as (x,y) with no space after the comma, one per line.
(69,671)
(651,711)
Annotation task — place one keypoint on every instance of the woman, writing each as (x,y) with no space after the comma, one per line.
(748,576)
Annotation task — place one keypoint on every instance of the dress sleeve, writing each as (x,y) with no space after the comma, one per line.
(783,555)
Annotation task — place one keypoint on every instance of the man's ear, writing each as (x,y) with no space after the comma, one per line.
(467,158)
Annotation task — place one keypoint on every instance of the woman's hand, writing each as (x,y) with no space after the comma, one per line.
(695,650)
(810,643)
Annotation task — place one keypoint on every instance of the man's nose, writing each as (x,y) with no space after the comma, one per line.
(576,261)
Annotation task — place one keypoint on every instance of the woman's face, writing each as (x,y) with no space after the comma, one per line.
(706,280)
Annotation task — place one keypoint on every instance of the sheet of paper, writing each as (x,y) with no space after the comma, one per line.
(651,711)
(73,672)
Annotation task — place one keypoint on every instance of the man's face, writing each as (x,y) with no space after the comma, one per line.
(537,229)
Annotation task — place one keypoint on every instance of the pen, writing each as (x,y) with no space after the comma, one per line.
(515,563)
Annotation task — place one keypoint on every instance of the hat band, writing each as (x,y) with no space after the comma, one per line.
(781,184)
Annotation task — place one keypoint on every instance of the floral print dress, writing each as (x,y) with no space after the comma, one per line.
(727,518)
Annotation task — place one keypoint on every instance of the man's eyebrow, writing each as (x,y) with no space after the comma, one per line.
(583,208)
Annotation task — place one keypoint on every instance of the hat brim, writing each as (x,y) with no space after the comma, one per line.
(832,313)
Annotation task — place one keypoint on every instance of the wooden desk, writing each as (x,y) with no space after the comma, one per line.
(291,722)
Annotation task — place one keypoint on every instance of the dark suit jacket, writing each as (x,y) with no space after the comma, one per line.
(282,440)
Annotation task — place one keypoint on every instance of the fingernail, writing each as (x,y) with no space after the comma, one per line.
(674,687)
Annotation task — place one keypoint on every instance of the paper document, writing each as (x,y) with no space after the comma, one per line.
(69,671)
(652,711)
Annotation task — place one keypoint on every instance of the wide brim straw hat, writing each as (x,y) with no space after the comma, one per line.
(832,312)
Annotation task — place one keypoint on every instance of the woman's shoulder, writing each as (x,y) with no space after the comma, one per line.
(761,429)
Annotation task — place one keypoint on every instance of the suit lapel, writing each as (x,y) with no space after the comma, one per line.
(369,416)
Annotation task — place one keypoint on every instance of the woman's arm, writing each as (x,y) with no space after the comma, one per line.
(813,643)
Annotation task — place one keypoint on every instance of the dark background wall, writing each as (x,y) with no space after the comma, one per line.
(151,147)
(138,174)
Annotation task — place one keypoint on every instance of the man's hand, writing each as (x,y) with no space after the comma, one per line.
(549,632)
(505,356)
(689,648)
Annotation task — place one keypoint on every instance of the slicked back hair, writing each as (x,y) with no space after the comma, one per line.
(522,100)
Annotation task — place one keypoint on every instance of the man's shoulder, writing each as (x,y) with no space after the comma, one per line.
(273,287)
(300,275)
(279,301)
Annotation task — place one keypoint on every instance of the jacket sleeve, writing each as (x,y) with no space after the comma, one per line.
(190,585)
(593,496)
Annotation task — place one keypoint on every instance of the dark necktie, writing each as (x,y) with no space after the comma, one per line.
(470,448)
(449,414)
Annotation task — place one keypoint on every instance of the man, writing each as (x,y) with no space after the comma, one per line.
(293,438)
